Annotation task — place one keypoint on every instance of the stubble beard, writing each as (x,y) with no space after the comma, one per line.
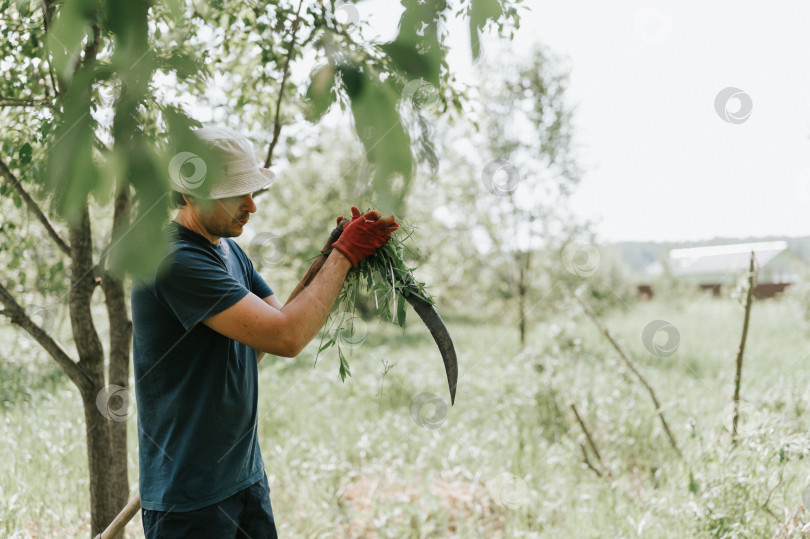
(222,230)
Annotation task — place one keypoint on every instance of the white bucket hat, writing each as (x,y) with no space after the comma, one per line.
(242,173)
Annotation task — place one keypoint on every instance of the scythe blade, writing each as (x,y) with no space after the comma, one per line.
(438,330)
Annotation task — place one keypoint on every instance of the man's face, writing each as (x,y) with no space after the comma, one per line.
(225,217)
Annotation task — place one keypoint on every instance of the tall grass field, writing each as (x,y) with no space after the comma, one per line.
(385,455)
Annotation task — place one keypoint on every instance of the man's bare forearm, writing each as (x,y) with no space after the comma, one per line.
(311,306)
(319,261)
(305,281)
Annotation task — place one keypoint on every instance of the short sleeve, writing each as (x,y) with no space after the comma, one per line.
(258,285)
(195,287)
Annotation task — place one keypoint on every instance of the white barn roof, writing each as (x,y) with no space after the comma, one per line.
(722,264)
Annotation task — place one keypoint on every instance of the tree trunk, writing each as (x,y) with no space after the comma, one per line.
(522,313)
(112,471)
(120,338)
(108,485)
(108,491)
(523,260)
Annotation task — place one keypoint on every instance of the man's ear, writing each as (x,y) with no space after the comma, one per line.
(200,204)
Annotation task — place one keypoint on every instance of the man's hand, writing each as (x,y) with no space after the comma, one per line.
(333,237)
(319,261)
(364,234)
(338,230)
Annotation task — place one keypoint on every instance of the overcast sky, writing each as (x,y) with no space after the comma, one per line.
(660,163)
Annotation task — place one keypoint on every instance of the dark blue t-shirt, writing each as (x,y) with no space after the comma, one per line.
(196,390)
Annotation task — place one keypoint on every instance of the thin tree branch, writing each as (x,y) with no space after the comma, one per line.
(91,50)
(48,10)
(741,349)
(38,103)
(120,334)
(587,461)
(285,76)
(635,371)
(343,32)
(44,82)
(770,493)
(18,316)
(113,287)
(82,285)
(34,207)
(587,433)
(308,40)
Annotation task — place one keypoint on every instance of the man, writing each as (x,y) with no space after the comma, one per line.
(199,328)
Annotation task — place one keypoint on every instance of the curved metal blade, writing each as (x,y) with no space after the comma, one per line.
(438,330)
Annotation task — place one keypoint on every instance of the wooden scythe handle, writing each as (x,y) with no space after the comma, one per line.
(318,263)
(119,522)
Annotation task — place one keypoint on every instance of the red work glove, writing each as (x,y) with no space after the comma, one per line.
(333,237)
(364,234)
(338,230)
(355,214)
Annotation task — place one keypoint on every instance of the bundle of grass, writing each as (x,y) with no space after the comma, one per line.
(384,275)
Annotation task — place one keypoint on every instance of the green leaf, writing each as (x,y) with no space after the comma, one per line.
(139,247)
(353,81)
(175,8)
(326,345)
(65,37)
(344,366)
(401,310)
(693,486)
(416,52)
(25,154)
(71,169)
(481,12)
(387,144)
(203,164)
(320,93)
(407,58)
(184,64)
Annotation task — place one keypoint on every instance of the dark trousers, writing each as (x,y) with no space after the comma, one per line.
(246,514)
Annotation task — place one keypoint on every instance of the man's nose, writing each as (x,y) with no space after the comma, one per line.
(247,203)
